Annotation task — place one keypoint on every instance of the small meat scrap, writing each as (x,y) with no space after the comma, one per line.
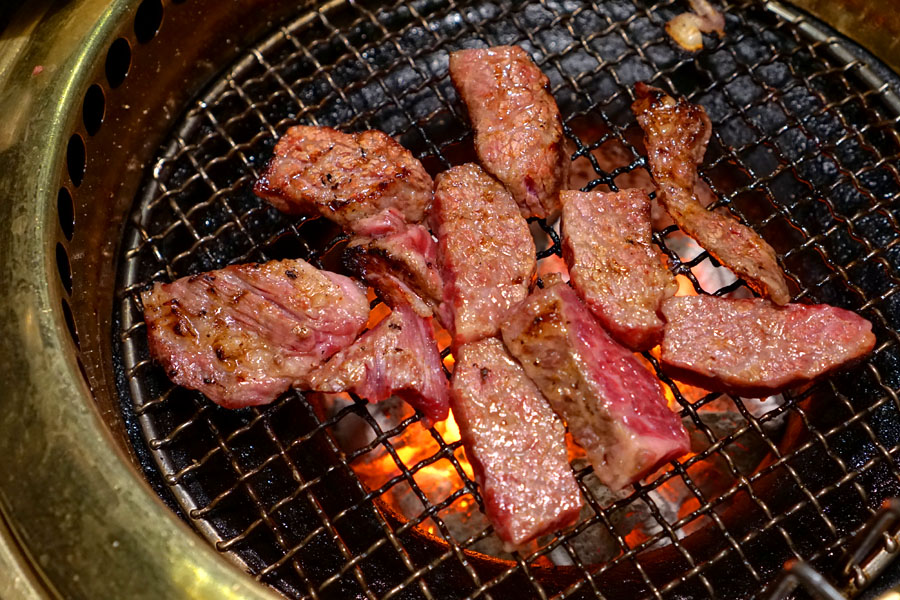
(344,177)
(400,261)
(751,347)
(398,356)
(614,407)
(686,28)
(485,251)
(515,443)
(518,130)
(244,334)
(676,135)
(613,265)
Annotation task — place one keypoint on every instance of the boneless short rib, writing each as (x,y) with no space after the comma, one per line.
(485,250)
(375,190)
(398,356)
(751,347)
(400,261)
(244,334)
(614,407)
(515,443)
(676,134)
(613,265)
(518,130)
(344,177)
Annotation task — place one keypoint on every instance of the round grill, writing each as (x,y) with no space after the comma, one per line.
(805,150)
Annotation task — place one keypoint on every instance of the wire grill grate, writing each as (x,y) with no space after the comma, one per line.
(805,150)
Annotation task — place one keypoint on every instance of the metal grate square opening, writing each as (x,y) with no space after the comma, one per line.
(805,149)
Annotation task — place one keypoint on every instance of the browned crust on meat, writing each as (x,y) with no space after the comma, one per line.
(676,135)
(344,177)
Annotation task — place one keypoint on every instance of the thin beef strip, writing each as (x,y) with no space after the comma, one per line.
(676,135)
(400,261)
(244,334)
(398,356)
(515,443)
(485,251)
(518,129)
(614,407)
(613,265)
(751,347)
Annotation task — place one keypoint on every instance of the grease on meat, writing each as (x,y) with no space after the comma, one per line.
(399,260)
(515,443)
(751,347)
(614,407)
(343,177)
(485,251)
(398,356)
(244,334)
(518,130)
(613,265)
(676,134)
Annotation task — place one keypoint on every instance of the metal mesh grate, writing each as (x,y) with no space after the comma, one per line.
(805,150)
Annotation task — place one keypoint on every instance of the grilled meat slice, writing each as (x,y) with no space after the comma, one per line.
(244,334)
(485,251)
(400,262)
(398,356)
(676,135)
(344,177)
(751,347)
(612,264)
(614,407)
(518,129)
(515,442)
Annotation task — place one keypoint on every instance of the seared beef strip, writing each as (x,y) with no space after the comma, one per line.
(344,177)
(485,250)
(398,356)
(515,443)
(400,261)
(613,265)
(244,334)
(518,129)
(752,347)
(614,407)
(676,135)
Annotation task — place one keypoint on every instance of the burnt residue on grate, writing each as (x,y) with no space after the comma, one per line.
(805,150)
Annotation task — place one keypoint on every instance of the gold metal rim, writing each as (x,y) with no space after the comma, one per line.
(75,511)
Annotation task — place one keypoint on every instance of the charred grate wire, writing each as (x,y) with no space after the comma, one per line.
(805,149)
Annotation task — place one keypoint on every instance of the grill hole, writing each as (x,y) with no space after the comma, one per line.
(64,267)
(70,322)
(94,109)
(147,20)
(118,61)
(65,208)
(75,159)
